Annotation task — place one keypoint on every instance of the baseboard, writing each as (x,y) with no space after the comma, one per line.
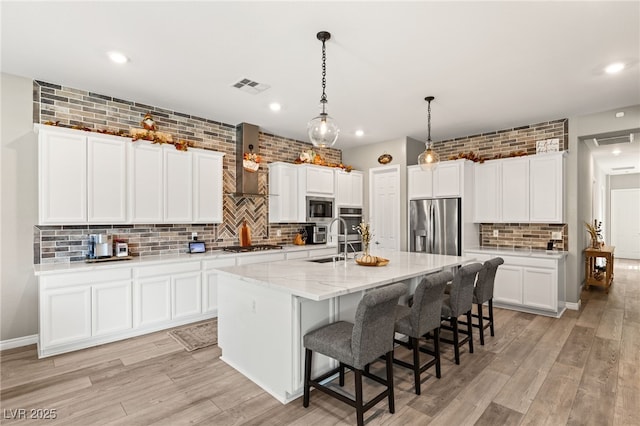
(573,306)
(18,342)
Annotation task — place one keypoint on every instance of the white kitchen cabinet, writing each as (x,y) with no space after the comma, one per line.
(520,190)
(186,294)
(111,309)
(349,188)
(211,278)
(207,186)
(62,161)
(514,190)
(65,315)
(152,300)
(145,181)
(527,281)
(546,188)
(178,185)
(285,204)
(419,183)
(448,179)
(318,180)
(486,183)
(445,181)
(106,179)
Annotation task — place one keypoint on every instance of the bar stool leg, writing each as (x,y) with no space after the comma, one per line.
(392,405)
(436,350)
(359,408)
(416,364)
(307,376)
(480,323)
(470,331)
(456,349)
(341,375)
(491,317)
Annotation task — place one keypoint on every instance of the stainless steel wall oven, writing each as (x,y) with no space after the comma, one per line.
(352,217)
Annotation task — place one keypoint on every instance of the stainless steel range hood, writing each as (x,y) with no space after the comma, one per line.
(246,141)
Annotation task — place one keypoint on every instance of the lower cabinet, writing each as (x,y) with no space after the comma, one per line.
(528,283)
(152,300)
(186,294)
(210,283)
(65,315)
(111,307)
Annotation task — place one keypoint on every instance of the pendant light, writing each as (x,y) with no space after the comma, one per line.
(323,130)
(429,159)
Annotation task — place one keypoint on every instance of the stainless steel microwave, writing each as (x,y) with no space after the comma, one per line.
(319,209)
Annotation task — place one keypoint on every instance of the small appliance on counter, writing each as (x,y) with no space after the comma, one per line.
(121,248)
(197,247)
(316,234)
(100,246)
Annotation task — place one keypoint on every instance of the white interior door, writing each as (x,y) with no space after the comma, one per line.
(625,222)
(384,207)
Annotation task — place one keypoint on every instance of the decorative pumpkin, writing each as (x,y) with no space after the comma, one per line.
(367,258)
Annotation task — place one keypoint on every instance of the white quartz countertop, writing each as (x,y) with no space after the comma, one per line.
(320,281)
(520,252)
(61,268)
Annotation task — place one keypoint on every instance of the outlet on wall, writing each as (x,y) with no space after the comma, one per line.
(556,235)
(194,236)
(278,233)
(496,233)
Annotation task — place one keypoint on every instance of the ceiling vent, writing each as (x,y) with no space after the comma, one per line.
(619,169)
(613,140)
(250,86)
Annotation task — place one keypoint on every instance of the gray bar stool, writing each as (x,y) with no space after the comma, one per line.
(483,293)
(458,302)
(421,318)
(356,345)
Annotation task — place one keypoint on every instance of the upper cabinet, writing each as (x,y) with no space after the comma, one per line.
(349,188)
(284,202)
(520,190)
(446,181)
(317,180)
(62,177)
(93,178)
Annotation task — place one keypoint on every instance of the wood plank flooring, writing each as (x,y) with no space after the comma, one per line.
(581,369)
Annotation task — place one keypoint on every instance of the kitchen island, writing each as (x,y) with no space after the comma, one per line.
(266,309)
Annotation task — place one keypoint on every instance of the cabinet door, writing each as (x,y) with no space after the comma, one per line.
(111,307)
(186,293)
(546,186)
(320,180)
(283,194)
(508,285)
(210,284)
(447,180)
(178,188)
(65,315)
(419,183)
(349,188)
(152,300)
(63,178)
(486,192)
(540,288)
(145,183)
(207,187)
(515,190)
(106,180)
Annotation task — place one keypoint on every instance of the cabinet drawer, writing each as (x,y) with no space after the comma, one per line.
(173,268)
(75,278)
(219,263)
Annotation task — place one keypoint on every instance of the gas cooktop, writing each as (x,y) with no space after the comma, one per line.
(257,247)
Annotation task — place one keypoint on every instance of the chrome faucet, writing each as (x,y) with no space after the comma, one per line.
(344,224)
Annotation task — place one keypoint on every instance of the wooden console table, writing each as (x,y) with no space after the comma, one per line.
(595,276)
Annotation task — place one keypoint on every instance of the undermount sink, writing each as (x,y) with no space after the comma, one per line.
(325,259)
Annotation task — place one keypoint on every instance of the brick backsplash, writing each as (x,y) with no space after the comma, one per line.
(73,107)
(522,235)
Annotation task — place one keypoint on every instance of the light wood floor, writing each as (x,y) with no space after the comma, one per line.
(581,369)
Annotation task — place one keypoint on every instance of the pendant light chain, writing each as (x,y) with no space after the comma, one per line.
(429,124)
(323,99)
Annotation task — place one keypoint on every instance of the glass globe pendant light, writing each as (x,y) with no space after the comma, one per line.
(429,159)
(323,130)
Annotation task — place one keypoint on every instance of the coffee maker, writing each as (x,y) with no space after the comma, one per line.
(100,245)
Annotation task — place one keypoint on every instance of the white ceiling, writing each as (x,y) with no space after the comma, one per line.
(490,65)
(611,158)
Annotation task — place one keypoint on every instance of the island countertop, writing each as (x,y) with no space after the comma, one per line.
(321,281)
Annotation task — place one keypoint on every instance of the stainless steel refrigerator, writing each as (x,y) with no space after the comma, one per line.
(435,226)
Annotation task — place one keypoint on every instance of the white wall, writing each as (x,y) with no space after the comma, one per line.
(366,157)
(19,209)
(579,181)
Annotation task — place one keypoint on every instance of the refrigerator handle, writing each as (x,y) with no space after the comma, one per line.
(432,215)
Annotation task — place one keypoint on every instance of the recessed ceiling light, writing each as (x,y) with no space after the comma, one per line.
(274,106)
(359,133)
(614,68)
(118,57)
(616,151)
(620,114)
